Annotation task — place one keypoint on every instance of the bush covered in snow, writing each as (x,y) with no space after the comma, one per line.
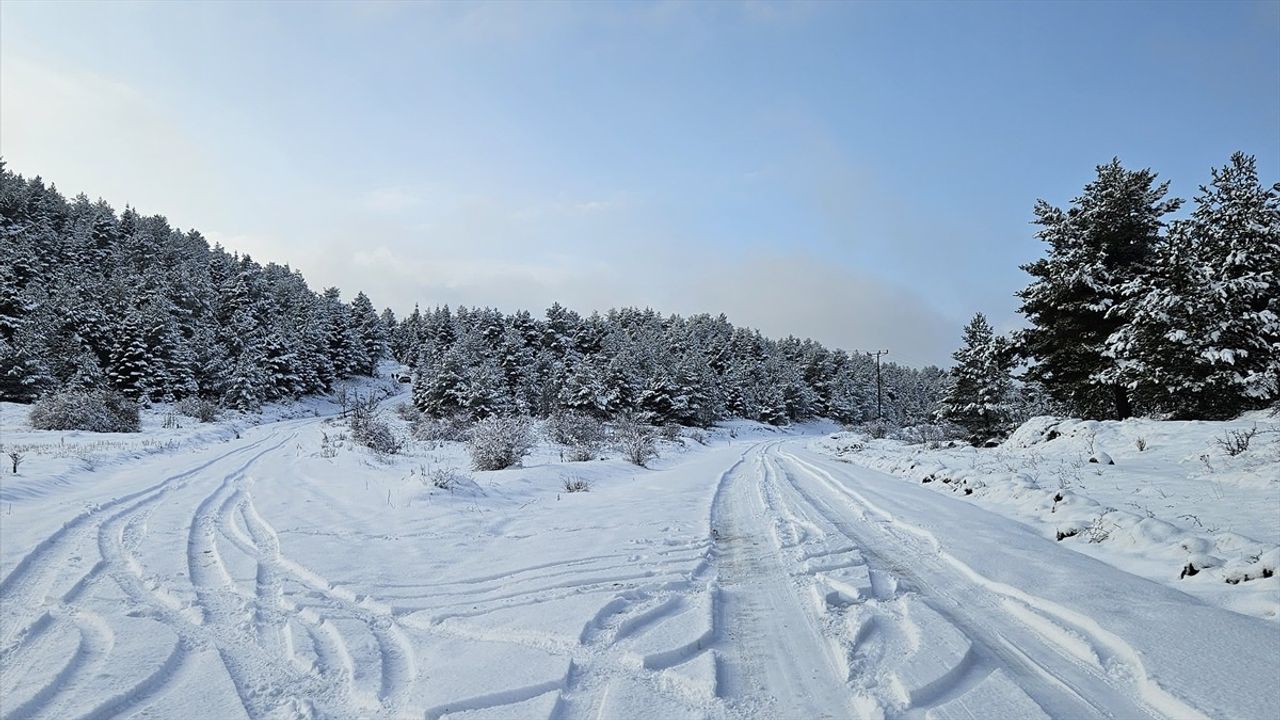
(635,440)
(407,411)
(437,430)
(91,410)
(370,429)
(877,429)
(198,408)
(580,434)
(497,443)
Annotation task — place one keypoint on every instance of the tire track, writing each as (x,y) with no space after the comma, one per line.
(1060,683)
(777,660)
(26,587)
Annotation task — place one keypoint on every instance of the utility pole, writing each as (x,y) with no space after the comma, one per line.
(879,404)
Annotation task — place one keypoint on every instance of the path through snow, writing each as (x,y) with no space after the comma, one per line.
(752,581)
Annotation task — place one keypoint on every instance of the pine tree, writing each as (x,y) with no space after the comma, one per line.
(978,397)
(23,377)
(1236,224)
(1202,337)
(246,388)
(370,332)
(1096,247)
(484,391)
(130,367)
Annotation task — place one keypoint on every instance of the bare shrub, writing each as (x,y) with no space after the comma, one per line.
(370,429)
(1099,530)
(447,478)
(579,433)
(16,459)
(90,410)
(496,443)
(670,432)
(574,484)
(342,396)
(635,440)
(931,435)
(199,408)
(328,446)
(698,436)
(1237,441)
(1141,444)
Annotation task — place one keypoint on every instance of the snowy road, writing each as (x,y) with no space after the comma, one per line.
(950,611)
(756,581)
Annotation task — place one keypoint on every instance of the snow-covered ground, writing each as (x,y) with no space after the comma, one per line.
(1156,498)
(277,570)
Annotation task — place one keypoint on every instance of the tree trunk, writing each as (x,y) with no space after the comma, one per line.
(1123,408)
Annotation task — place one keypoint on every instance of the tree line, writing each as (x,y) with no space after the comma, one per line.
(663,369)
(92,299)
(1128,312)
(95,299)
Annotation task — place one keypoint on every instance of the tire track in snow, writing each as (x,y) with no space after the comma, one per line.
(95,642)
(395,652)
(777,662)
(26,587)
(1060,682)
(604,657)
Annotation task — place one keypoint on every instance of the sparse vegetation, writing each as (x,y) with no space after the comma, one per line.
(575,484)
(407,411)
(446,477)
(1099,530)
(328,446)
(437,430)
(1236,442)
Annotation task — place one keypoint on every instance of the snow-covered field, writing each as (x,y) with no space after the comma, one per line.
(276,570)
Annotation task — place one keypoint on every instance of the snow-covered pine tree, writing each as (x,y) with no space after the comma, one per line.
(130,367)
(247,384)
(1236,227)
(660,401)
(1202,331)
(370,333)
(484,391)
(979,392)
(71,272)
(279,367)
(1096,247)
(584,388)
(23,376)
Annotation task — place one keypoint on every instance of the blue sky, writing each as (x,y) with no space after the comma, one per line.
(860,173)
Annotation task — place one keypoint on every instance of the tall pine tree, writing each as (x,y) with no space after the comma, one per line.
(1096,247)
